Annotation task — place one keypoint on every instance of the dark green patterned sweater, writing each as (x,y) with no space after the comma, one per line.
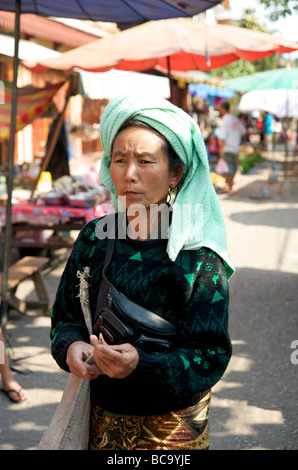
(191,292)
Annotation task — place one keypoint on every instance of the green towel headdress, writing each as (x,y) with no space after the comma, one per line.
(203,224)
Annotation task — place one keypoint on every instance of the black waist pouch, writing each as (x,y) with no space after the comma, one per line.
(122,321)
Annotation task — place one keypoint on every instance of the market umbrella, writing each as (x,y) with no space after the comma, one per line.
(118,11)
(174,44)
(281,103)
(285,78)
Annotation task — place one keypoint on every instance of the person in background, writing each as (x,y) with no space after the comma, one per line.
(59,161)
(213,148)
(269,131)
(230,134)
(10,387)
(244,120)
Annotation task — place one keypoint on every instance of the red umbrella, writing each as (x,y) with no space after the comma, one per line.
(182,42)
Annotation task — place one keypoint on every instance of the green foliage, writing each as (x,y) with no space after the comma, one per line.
(235,69)
(280,7)
(246,162)
(243,67)
(250,21)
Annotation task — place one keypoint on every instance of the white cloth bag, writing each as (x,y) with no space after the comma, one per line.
(222,167)
(69,427)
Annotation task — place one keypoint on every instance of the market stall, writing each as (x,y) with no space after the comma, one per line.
(46,220)
(43,214)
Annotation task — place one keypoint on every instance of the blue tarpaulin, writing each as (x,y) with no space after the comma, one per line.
(204,91)
(118,11)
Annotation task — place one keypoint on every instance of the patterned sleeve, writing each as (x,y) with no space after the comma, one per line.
(67,321)
(205,348)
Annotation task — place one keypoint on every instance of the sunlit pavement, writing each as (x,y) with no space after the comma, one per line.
(254,406)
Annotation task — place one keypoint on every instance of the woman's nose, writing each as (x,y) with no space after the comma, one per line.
(131,172)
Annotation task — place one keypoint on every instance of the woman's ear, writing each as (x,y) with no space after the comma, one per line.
(176,176)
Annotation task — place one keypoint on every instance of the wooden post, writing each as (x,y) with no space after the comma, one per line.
(7,234)
(170,80)
(54,138)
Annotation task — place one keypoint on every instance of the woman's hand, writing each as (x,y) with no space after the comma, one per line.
(115,361)
(77,354)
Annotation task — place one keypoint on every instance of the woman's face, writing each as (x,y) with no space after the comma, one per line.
(140,167)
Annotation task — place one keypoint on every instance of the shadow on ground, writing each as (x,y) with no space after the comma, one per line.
(254,405)
(283,218)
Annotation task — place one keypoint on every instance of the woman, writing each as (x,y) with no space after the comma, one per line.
(10,387)
(156,400)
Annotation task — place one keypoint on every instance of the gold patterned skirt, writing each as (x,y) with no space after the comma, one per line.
(185,429)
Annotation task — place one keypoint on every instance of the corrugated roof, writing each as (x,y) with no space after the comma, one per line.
(40,27)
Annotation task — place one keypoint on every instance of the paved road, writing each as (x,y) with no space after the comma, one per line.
(254,405)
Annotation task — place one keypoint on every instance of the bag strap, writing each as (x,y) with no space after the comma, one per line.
(106,283)
(110,247)
(109,253)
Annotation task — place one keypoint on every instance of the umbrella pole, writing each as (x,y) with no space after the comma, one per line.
(170,79)
(7,236)
(286,163)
